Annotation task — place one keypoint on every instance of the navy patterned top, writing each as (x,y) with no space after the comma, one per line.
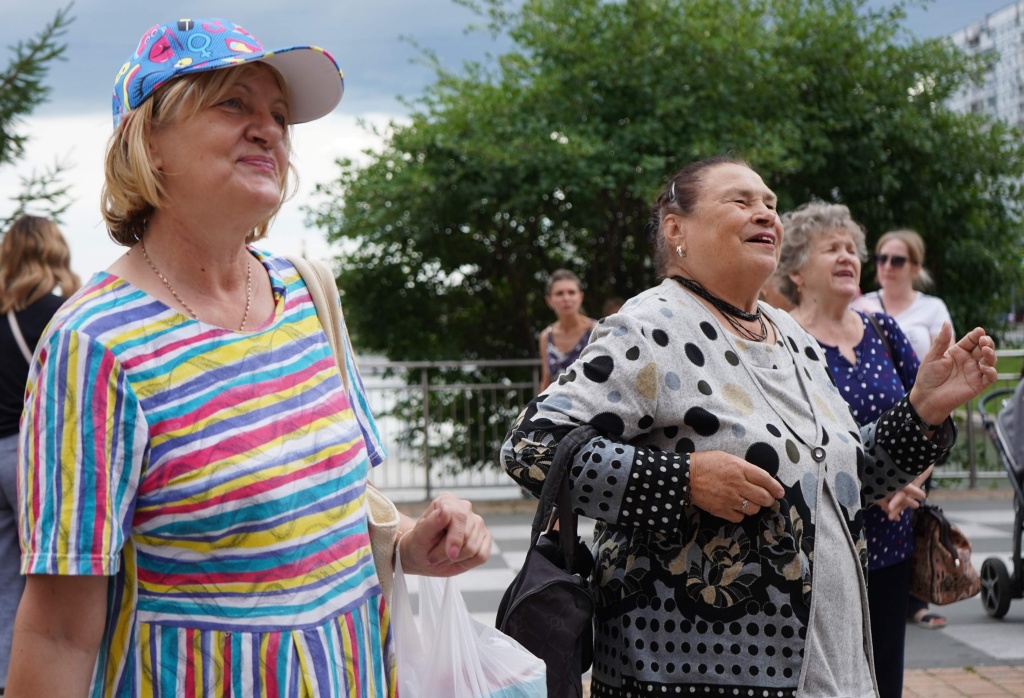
(871,387)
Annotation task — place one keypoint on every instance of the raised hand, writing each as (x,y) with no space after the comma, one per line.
(952,374)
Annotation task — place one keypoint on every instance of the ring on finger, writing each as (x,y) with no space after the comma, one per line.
(743,506)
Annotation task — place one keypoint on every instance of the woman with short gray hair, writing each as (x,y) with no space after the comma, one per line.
(803,225)
(873,365)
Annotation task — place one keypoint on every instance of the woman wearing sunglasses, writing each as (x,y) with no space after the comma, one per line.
(899,268)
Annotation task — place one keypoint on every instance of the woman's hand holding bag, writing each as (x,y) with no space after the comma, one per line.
(448,653)
(447,539)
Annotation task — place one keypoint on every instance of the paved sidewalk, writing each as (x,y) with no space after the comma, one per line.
(976,682)
(973,656)
(972,682)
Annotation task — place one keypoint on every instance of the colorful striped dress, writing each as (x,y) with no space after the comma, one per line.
(218,479)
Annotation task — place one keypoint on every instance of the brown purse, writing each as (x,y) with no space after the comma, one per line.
(940,568)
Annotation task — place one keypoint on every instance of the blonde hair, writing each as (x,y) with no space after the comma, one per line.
(915,252)
(34,260)
(801,227)
(132,187)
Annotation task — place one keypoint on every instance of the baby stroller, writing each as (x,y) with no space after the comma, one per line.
(998,586)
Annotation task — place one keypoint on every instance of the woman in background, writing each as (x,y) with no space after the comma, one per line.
(562,341)
(899,267)
(900,271)
(873,366)
(34,263)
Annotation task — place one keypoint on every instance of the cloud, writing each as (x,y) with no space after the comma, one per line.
(78,141)
(365,38)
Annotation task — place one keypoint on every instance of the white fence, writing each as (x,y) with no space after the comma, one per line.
(443,422)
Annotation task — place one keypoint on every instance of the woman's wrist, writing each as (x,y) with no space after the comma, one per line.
(398,541)
(940,434)
(923,424)
(923,413)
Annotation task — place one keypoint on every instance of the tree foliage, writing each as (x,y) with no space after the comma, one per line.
(551,157)
(22,89)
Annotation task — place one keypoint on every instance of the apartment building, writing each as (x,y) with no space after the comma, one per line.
(999,37)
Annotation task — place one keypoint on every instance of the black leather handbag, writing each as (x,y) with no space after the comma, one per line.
(549,606)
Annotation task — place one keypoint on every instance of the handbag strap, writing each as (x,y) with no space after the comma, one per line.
(555,493)
(19,338)
(323,290)
(873,319)
(945,529)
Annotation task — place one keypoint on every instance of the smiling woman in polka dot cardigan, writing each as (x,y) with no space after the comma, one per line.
(729,478)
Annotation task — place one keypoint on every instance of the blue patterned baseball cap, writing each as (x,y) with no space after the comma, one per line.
(315,83)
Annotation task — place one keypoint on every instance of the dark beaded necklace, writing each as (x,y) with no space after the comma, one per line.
(728,310)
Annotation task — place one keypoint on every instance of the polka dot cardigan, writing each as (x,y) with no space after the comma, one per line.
(689,603)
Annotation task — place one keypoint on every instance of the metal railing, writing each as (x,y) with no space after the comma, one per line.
(443,429)
(443,421)
(975,459)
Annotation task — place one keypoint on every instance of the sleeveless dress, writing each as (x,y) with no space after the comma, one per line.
(556,361)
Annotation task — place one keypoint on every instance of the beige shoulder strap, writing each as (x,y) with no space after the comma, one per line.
(323,289)
(19,338)
(382,514)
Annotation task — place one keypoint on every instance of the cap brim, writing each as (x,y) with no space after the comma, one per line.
(314,81)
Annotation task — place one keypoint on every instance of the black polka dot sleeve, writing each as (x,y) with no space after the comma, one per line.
(610,481)
(643,486)
(612,387)
(897,451)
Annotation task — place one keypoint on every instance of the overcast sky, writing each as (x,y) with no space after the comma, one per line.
(365,37)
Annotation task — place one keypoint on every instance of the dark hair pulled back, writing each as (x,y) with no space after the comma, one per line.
(679,196)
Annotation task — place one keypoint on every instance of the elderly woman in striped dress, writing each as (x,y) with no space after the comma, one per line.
(193,466)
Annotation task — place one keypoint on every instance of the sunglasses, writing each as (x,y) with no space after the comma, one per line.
(896,260)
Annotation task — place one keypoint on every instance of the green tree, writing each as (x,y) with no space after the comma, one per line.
(551,157)
(22,89)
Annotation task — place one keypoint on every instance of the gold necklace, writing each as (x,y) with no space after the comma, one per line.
(186,306)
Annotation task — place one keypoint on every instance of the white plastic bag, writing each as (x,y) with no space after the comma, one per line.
(448,653)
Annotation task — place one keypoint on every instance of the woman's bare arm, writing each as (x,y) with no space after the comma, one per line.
(57,635)
(545,377)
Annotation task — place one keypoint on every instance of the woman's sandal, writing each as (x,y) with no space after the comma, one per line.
(928,620)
